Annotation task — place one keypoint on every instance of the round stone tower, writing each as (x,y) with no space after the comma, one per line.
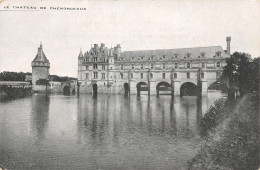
(40,69)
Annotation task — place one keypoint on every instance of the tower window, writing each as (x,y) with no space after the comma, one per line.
(176,65)
(86,67)
(163,75)
(142,75)
(188,75)
(218,64)
(202,75)
(142,66)
(133,66)
(203,64)
(132,76)
(163,65)
(122,75)
(151,66)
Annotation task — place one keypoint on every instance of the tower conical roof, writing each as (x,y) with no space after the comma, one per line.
(41,56)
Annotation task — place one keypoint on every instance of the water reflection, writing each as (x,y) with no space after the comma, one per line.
(40,115)
(105,132)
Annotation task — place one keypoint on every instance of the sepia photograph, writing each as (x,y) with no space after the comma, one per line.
(129,85)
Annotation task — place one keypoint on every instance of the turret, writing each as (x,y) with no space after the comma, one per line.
(80,60)
(117,51)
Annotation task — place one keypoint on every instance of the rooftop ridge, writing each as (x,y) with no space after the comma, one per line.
(174,48)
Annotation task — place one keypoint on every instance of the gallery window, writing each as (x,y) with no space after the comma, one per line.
(95,75)
(103,76)
(188,75)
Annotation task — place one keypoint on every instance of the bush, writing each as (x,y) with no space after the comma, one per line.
(235,143)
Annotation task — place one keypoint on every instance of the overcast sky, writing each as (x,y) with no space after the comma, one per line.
(136,25)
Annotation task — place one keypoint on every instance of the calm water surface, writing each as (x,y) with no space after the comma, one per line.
(109,132)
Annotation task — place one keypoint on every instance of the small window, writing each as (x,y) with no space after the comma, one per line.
(122,66)
(86,67)
(132,76)
(203,54)
(151,66)
(163,75)
(142,75)
(95,75)
(87,76)
(142,66)
(188,65)
(133,66)
(114,76)
(95,59)
(151,75)
(142,58)
(163,65)
(218,64)
(188,75)
(202,75)
(203,64)
(94,66)
(103,67)
(103,76)
(176,65)
(175,75)
(164,56)
(122,75)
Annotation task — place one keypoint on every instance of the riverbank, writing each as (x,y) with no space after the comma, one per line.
(231,141)
(10,93)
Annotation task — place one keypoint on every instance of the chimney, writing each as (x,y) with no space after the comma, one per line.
(228,39)
(95,45)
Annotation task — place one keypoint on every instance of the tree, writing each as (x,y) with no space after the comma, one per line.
(242,73)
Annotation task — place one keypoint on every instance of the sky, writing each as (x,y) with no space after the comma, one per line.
(136,25)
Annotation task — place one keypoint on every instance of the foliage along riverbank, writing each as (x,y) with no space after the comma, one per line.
(10,93)
(232,136)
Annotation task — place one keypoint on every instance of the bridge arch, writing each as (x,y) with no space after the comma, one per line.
(163,86)
(189,89)
(127,89)
(95,89)
(141,86)
(66,90)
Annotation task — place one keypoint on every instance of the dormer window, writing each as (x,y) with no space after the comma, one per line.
(188,55)
(164,56)
(142,58)
(218,53)
(203,54)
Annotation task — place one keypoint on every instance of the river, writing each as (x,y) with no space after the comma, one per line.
(107,132)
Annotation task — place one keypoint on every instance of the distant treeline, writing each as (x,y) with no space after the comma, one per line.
(20,76)
(13,76)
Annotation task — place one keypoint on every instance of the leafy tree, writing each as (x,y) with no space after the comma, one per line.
(242,73)
(43,82)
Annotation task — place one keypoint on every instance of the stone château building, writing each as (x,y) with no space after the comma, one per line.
(175,71)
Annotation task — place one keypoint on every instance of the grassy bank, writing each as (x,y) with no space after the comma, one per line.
(9,93)
(232,136)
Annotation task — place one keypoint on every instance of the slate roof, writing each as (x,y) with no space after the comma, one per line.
(41,56)
(181,53)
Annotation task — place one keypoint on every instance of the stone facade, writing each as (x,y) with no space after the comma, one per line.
(105,70)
